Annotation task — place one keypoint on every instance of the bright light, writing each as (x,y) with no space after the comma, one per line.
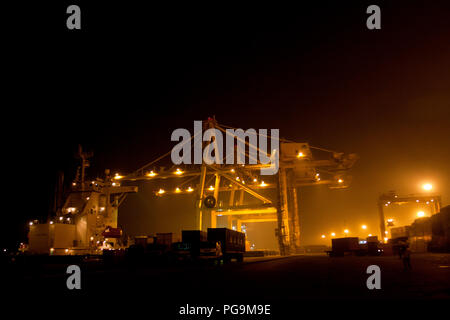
(364,226)
(52,249)
(31,223)
(255,180)
(340,181)
(92,238)
(51,222)
(333,234)
(370,234)
(232,170)
(346,231)
(67,250)
(386,232)
(421,214)
(385,239)
(68,219)
(178,171)
(390,220)
(151,174)
(177,190)
(211,188)
(262,184)
(61,218)
(189,189)
(427,186)
(300,155)
(161,191)
(237,178)
(118,176)
(323,236)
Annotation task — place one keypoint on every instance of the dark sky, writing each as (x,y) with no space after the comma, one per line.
(133,74)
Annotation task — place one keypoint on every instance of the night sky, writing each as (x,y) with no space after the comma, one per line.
(133,74)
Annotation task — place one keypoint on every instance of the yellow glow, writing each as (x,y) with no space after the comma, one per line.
(161,191)
(340,181)
(386,232)
(262,184)
(300,155)
(211,188)
(177,190)
(421,214)
(237,178)
(232,170)
(333,234)
(60,218)
(390,220)
(370,234)
(323,236)
(51,222)
(118,176)
(427,186)
(189,189)
(178,171)
(151,174)
(385,239)
(255,180)
(52,249)
(67,250)
(364,226)
(92,238)
(346,231)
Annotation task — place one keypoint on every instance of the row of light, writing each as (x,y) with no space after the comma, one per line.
(346,231)
(427,202)
(177,172)
(190,189)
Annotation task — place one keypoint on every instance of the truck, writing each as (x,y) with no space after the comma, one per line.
(343,246)
(353,246)
(218,244)
(231,242)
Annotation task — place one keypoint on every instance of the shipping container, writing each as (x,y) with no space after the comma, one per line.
(400,232)
(440,231)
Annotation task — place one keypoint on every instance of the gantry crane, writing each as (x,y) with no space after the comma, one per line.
(297,168)
(392,198)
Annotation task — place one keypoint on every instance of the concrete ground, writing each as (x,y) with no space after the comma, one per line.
(288,284)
